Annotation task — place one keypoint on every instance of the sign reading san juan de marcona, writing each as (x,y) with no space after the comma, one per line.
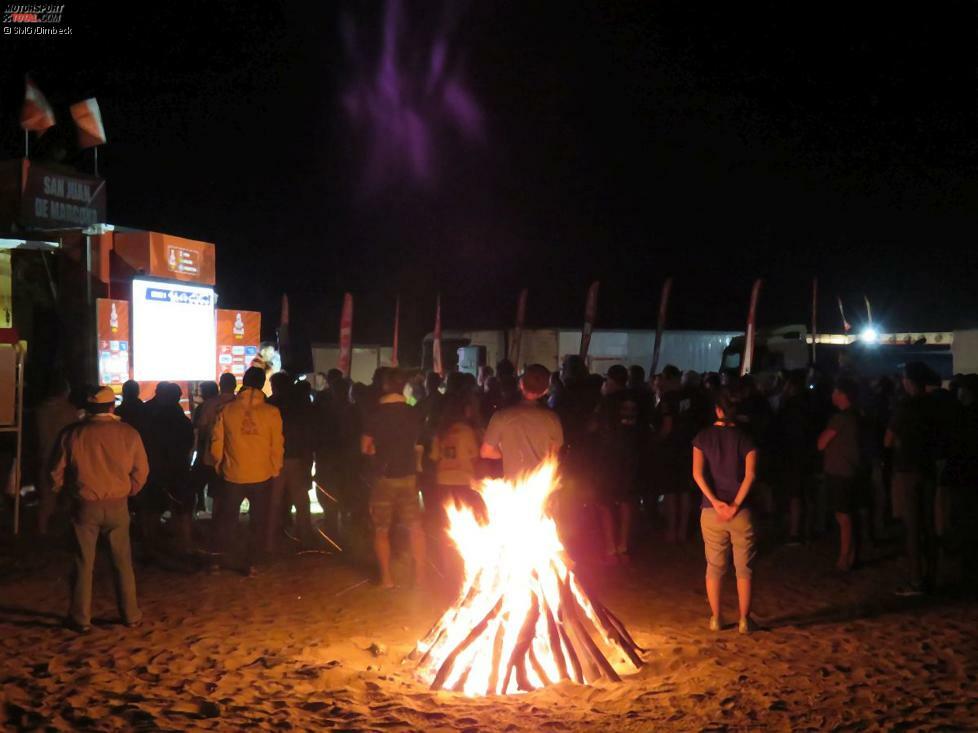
(52,199)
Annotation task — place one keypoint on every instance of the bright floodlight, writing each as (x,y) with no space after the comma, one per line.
(869,335)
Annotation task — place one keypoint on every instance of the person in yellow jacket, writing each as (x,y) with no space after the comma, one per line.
(247,446)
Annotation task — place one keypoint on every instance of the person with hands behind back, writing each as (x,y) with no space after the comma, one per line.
(724,462)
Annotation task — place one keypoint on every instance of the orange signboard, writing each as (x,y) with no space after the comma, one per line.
(113,341)
(167,256)
(238,336)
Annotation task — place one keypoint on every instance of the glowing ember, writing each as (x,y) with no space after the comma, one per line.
(522,619)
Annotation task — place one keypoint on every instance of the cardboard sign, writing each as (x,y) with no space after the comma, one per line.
(113,341)
(238,337)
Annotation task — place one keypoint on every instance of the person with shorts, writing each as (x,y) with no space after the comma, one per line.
(724,463)
(840,445)
(391,431)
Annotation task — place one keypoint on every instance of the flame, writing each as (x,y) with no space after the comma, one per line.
(512,627)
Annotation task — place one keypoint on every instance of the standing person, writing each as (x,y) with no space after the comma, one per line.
(621,436)
(724,462)
(454,454)
(247,447)
(793,428)
(132,410)
(204,420)
(299,420)
(102,463)
(390,433)
(52,416)
(525,434)
(169,437)
(841,446)
(282,386)
(671,454)
(912,483)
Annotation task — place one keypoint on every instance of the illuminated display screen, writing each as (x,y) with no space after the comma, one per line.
(173,333)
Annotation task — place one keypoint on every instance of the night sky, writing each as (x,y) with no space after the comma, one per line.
(497,145)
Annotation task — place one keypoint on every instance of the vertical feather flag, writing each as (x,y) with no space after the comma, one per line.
(660,324)
(814,315)
(747,363)
(346,335)
(516,346)
(846,327)
(590,316)
(437,363)
(397,330)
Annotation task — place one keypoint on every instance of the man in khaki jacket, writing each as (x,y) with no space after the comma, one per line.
(247,446)
(103,462)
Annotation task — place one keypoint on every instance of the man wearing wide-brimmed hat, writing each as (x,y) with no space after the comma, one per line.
(102,462)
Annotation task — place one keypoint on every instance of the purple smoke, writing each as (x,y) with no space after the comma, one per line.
(407,101)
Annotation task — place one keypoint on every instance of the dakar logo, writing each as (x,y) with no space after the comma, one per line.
(248,424)
(33,13)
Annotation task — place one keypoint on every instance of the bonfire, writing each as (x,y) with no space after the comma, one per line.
(522,620)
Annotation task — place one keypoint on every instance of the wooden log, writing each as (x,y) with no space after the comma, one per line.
(523,640)
(576,668)
(627,645)
(497,653)
(594,654)
(538,668)
(476,632)
(554,638)
(621,629)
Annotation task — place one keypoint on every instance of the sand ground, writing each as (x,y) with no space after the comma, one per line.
(308,645)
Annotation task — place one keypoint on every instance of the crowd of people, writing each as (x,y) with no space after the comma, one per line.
(781,456)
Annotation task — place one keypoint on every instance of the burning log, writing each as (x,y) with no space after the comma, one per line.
(523,620)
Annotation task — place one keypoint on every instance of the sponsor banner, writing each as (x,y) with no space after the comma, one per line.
(113,341)
(748,361)
(660,325)
(590,316)
(514,356)
(51,199)
(238,337)
(436,357)
(346,335)
(397,331)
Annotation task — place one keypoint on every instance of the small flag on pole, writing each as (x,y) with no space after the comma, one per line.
(590,316)
(515,347)
(661,324)
(346,335)
(437,363)
(397,329)
(36,115)
(88,118)
(747,362)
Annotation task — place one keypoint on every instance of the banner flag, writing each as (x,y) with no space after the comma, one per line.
(845,324)
(515,347)
(88,118)
(748,361)
(660,324)
(436,343)
(814,315)
(397,331)
(36,114)
(346,335)
(590,316)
